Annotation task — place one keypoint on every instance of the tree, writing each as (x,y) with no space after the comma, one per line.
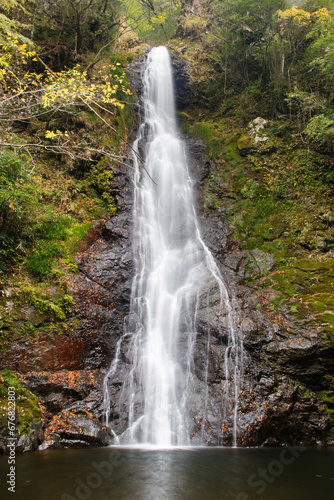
(26,95)
(242,26)
(155,21)
(80,24)
(321,52)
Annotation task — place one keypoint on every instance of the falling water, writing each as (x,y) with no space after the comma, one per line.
(171,261)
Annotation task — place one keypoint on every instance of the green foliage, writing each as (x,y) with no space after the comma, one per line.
(101,177)
(81,25)
(155,21)
(34,232)
(269,49)
(320,131)
(50,232)
(17,198)
(304,104)
(250,189)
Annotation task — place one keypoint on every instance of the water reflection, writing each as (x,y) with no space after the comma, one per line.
(173,474)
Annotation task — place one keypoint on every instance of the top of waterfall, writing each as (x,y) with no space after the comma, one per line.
(158,77)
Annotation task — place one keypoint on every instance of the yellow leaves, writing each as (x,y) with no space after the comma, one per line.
(72,87)
(301,17)
(298,17)
(14,57)
(322,13)
(49,134)
(160,19)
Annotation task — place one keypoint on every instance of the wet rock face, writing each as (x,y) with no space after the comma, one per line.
(285,358)
(69,430)
(182,81)
(72,407)
(181,75)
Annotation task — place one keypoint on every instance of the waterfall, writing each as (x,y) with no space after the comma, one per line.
(171,261)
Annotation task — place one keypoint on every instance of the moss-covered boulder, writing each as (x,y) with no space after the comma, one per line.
(28,431)
(245,145)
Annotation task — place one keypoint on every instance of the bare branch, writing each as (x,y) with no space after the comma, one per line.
(119,135)
(63,149)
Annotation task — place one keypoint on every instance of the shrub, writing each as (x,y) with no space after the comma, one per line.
(320,130)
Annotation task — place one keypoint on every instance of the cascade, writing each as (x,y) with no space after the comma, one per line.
(171,262)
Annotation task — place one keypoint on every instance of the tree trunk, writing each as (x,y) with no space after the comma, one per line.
(78,33)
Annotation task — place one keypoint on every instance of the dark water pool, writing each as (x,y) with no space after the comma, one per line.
(175,474)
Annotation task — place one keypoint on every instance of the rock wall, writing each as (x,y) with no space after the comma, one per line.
(284,358)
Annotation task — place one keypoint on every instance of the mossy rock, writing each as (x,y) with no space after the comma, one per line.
(245,145)
(322,302)
(327,397)
(244,142)
(26,403)
(313,266)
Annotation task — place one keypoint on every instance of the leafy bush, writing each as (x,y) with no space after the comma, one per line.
(101,177)
(320,130)
(50,232)
(17,198)
(250,189)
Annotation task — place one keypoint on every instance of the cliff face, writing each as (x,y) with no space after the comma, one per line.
(287,360)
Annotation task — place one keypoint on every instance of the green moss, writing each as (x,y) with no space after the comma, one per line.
(100,177)
(26,402)
(209,134)
(230,153)
(184,121)
(245,142)
(327,397)
(57,306)
(312,266)
(75,235)
(322,302)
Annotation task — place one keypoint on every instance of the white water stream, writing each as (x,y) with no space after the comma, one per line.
(171,261)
